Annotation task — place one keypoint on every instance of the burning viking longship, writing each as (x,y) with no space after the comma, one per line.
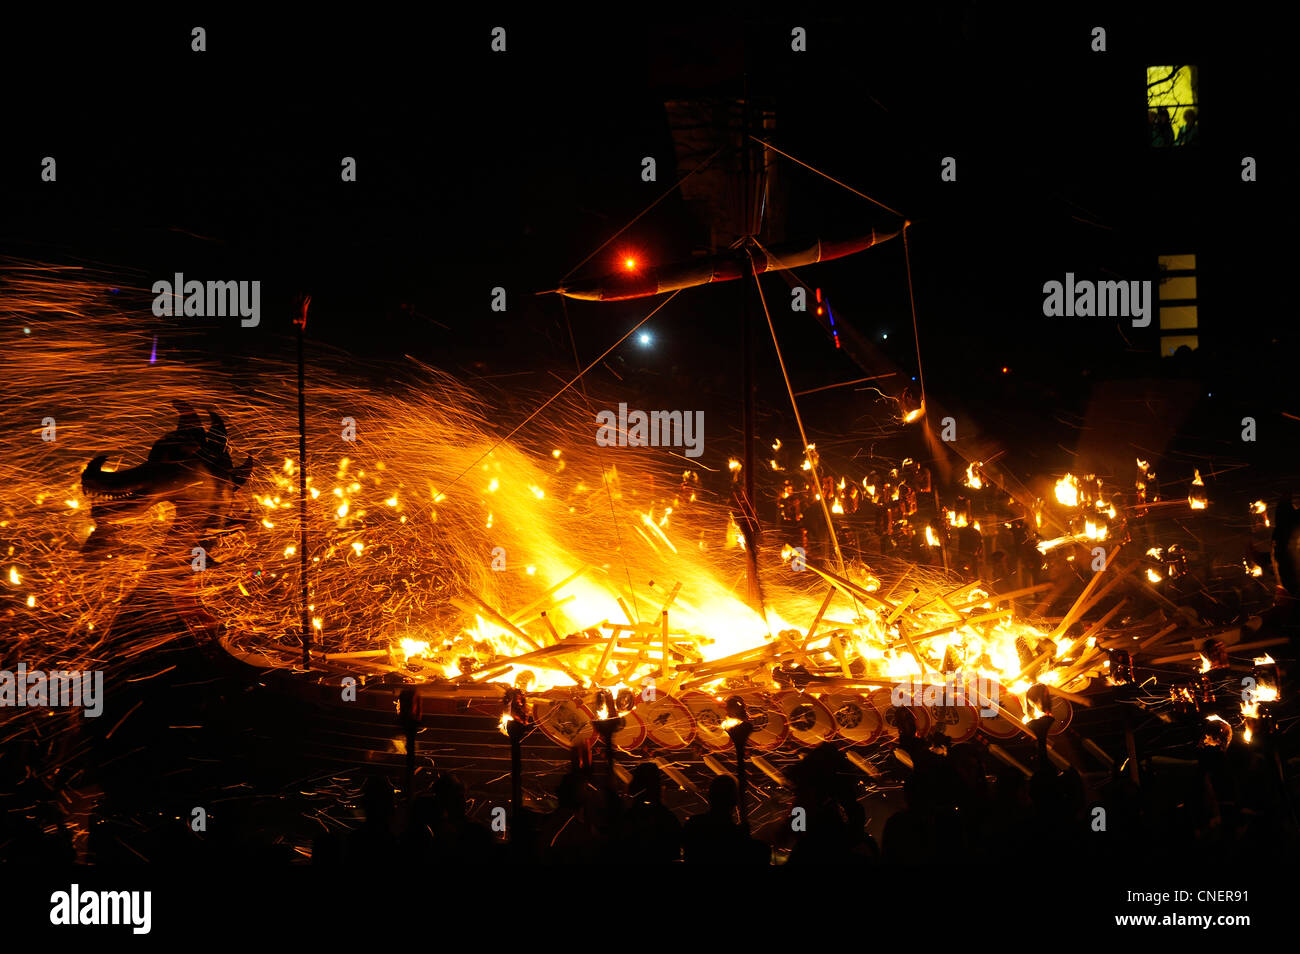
(440,595)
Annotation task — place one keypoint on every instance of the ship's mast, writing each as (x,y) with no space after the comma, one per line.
(749,515)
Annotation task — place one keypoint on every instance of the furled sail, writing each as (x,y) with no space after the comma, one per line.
(723,267)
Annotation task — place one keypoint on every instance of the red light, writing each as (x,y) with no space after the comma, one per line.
(629,263)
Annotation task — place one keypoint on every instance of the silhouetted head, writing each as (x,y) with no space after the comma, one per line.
(1011,786)
(424,812)
(723,794)
(377,799)
(646,784)
(918,793)
(966,761)
(449,794)
(568,792)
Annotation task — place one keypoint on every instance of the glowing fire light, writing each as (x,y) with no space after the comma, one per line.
(414,648)
(1067,490)
(411,607)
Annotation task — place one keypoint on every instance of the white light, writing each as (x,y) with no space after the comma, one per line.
(645,337)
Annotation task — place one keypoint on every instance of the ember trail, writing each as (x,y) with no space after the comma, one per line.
(555,596)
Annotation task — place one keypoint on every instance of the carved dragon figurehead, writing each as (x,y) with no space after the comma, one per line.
(190,467)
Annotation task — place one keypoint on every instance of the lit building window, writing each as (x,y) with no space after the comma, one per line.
(1172,114)
(1178,319)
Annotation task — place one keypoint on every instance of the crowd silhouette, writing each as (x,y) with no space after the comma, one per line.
(1214,803)
(1225,804)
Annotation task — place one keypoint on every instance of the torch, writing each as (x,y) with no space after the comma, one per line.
(1039,703)
(301,323)
(1125,680)
(739,727)
(410,709)
(1257,710)
(514,724)
(606,723)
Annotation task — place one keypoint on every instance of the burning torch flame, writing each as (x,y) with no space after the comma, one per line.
(414,648)
(1067,490)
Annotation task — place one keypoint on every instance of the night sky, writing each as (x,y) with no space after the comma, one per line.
(478,169)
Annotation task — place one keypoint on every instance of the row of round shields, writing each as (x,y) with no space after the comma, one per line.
(672,722)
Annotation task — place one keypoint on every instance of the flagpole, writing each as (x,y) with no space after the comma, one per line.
(305,619)
(749,513)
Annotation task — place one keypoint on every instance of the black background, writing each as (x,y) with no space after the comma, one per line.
(479,169)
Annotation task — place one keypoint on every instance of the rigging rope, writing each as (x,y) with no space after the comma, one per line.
(798,418)
(916,334)
(609,491)
(665,195)
(825,176)
(522,424)
(785,271)
(907,259)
